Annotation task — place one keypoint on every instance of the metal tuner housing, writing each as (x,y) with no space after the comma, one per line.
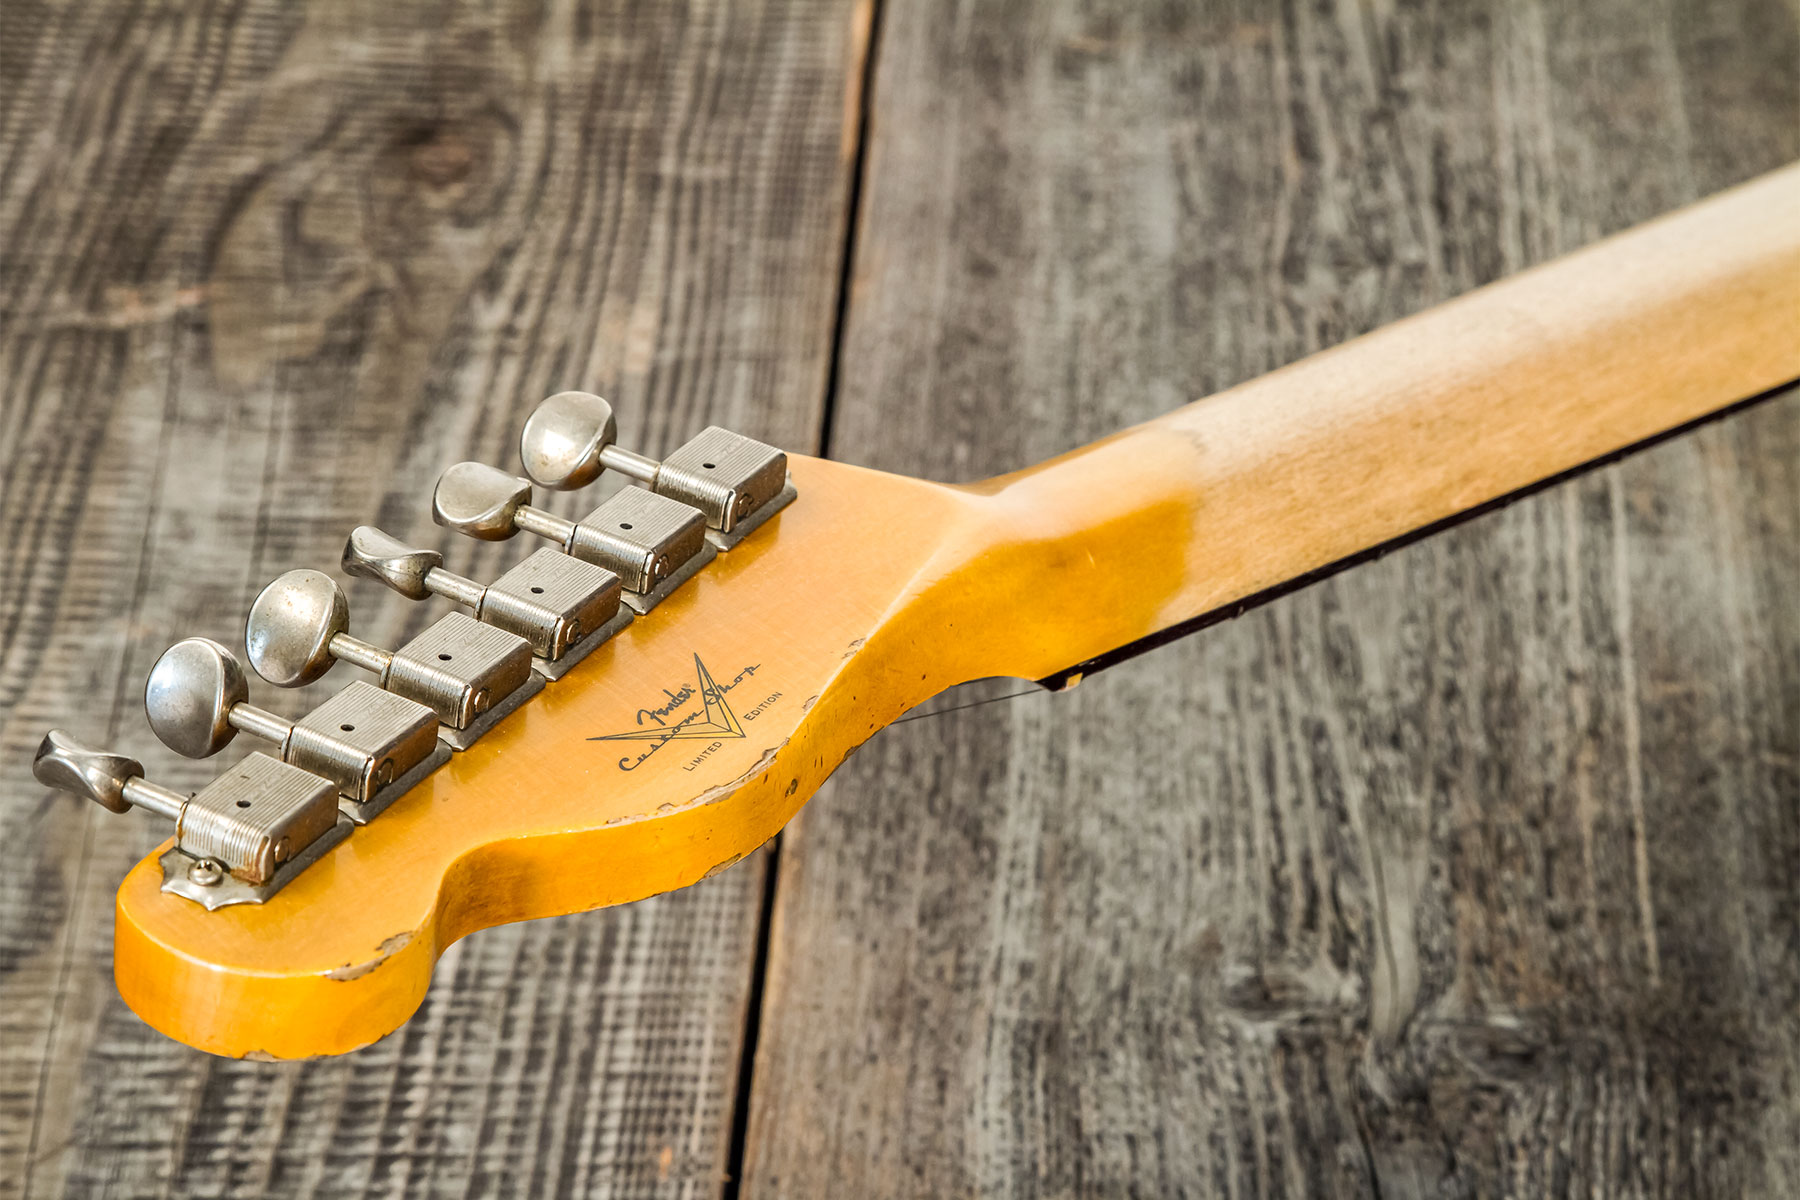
(238,840)
(562,606)
(471,675)
(652,543)
(372,744)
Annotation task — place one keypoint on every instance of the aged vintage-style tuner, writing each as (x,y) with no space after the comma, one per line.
(735,481)
(652,543)
(237,840)
(469,674)
(563,606)
(372,744)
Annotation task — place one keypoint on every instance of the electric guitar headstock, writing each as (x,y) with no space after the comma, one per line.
(638,703)
(651,695)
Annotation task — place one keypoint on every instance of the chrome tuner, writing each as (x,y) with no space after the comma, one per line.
(372,744)
(653,544)
(237,841)
(469,674)
(561,605)
(736,482)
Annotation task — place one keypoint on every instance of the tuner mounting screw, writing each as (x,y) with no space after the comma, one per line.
(207,872)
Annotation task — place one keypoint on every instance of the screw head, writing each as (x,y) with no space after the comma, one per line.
(562,440)
(291,625)
(189,696)
(207,872)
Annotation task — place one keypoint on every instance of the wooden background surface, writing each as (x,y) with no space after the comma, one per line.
(1473,872)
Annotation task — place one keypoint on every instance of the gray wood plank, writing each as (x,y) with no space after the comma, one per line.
(1471,872)
(265,269)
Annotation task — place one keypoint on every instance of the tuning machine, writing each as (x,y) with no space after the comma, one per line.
(737,483)
(469,674)
(561,605)
(373,744)
(238,840)
(652,543)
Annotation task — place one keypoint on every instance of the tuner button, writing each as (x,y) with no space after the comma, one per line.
(479,500)
(190,694)
(563,438)
(372,554)
(291,625)
(66,764)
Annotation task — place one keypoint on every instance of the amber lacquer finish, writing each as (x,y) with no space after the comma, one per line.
(874,592)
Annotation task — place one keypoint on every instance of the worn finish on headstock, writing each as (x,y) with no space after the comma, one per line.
(614,784)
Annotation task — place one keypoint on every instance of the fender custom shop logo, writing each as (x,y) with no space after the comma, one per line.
(676,720)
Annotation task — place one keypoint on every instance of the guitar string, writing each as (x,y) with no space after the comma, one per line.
(971,704)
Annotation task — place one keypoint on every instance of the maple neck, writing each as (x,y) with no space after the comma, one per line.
(1246,494)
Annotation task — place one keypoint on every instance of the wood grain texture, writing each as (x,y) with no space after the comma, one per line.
(264,270)
(1468,873)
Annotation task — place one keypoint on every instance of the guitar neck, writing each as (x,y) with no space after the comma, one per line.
(1189,518)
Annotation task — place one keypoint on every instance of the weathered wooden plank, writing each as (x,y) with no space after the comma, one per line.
(264,270)
(1468,873)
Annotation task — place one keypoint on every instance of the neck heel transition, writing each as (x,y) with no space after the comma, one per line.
(1256,491)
